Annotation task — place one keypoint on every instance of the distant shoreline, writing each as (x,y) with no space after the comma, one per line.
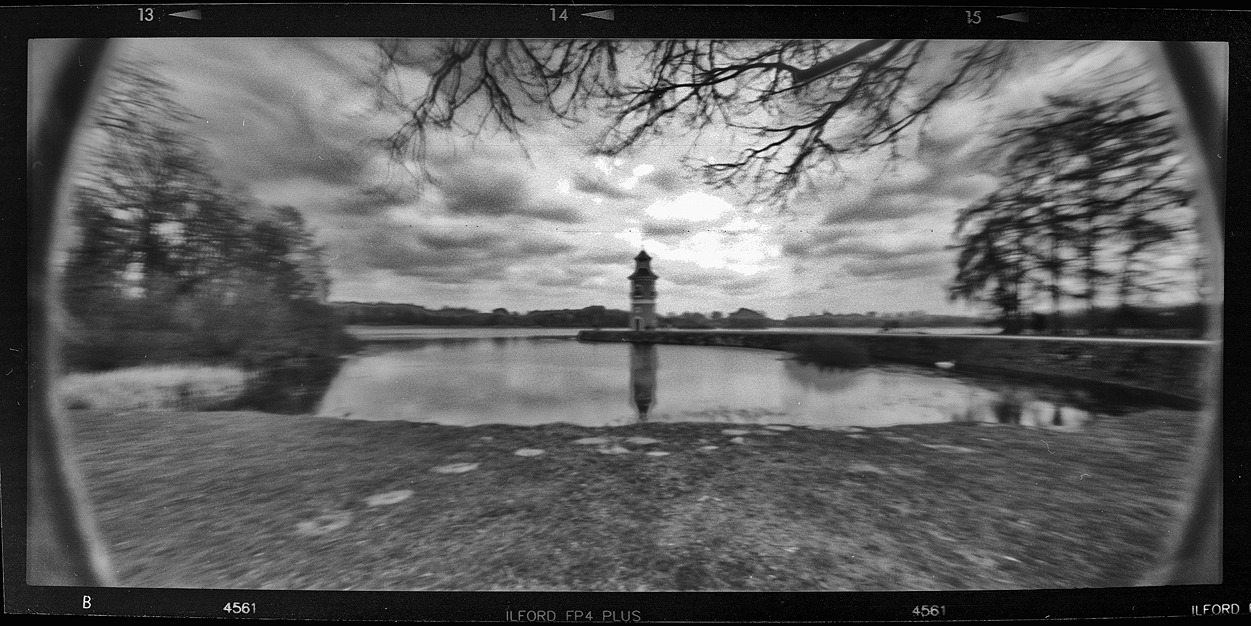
(368,332)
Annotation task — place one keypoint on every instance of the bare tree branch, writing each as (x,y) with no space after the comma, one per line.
(804,104)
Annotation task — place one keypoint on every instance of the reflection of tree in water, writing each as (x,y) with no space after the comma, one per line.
(1015,405)
(825,379)
(643,364)
(442,343)
(1006,402)
(1008,407)
(454,343)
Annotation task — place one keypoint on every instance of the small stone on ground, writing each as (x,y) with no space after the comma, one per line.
(455,468)
(390,497)
(657,453)
(613,450)
(733,432)
(528,452)
(946,448)
(738,440)
(592,441)
(708,448)
(323,524)
(642,441)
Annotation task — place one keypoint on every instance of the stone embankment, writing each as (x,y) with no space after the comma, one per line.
(1163,369)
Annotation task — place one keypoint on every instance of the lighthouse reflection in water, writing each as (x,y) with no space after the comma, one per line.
(643,364)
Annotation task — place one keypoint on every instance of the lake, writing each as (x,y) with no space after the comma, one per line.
(537,376)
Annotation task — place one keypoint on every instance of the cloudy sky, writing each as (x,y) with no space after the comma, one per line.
(554,226)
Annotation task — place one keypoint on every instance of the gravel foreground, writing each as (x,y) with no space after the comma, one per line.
(263,501)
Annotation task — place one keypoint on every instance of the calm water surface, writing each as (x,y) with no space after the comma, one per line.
(467,379)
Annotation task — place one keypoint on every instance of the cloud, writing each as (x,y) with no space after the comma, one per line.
(693,206)
(446,255)
(685,273)
(620,256)
(949,171)
(898,267)
(443,240)
(485,189)
(582,276)
(918,191)
(667,179)
(863,241)
(882,207)
(273,125)
(555,211)
(720,280)
(739,285)
(375,200)
(559,279)
(598,185)
(654,228)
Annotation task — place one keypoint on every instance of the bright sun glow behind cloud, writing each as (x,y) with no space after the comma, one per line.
(693,206)
(637,173)
(739,245)
(746,254)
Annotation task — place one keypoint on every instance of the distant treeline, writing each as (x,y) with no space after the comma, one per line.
(746,319)
(857,320)
(389,314)
(1184,320)
(1188,320)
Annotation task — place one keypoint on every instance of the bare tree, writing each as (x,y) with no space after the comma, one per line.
(800,105)
(168,262)
(1096,184)
(996,260)
(147,203)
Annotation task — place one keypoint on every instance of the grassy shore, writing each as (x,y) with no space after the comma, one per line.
(183,386)
(255,500)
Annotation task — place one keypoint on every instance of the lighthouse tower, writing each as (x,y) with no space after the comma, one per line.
(643,294)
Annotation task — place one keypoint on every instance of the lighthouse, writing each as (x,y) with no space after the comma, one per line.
(643,294)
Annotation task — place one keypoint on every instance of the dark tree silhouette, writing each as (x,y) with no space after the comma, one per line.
(171,265)
(995,260)
(147,205)
(1093,185)
(285,252)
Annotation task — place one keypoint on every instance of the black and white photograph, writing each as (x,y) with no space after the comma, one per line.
(635,314)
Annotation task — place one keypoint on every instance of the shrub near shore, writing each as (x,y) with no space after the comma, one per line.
(830,352)
(172,266)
